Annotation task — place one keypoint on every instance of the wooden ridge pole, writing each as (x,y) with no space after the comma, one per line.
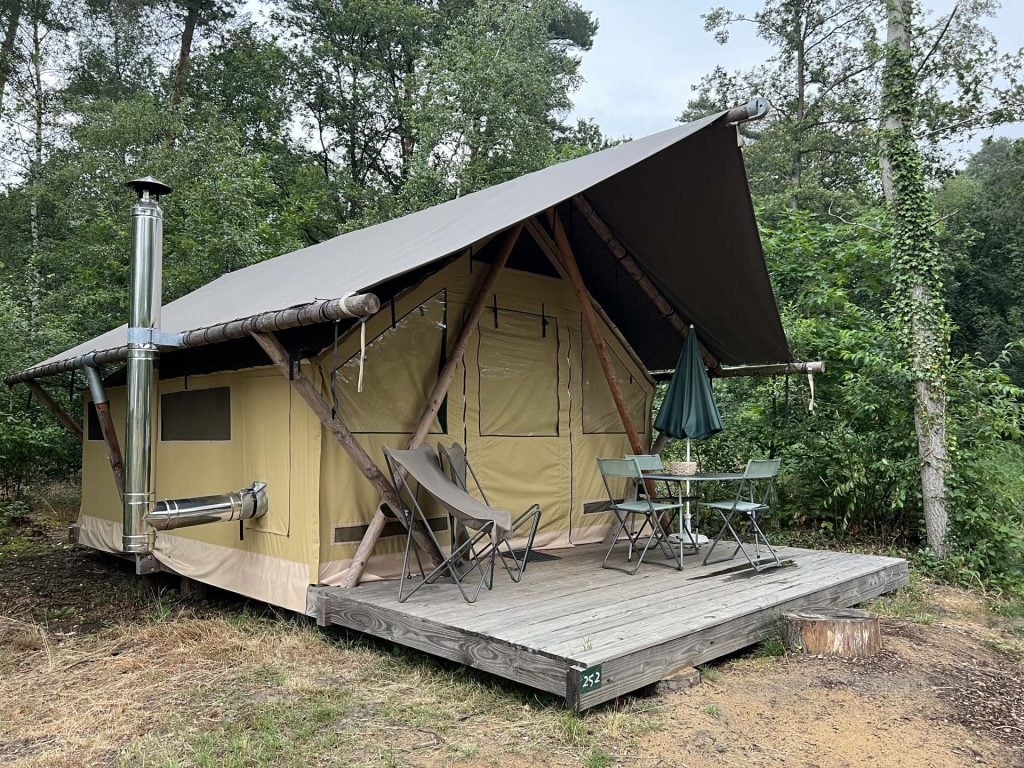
(618,250)
(590,320)
(436,397)
(308,392)
(43,397)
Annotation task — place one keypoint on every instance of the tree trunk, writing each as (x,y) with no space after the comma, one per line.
(845,632)
(7,49)
(797,157)
(184,54)
(35,279)
(916,270)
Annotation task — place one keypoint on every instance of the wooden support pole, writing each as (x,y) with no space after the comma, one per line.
(101,405)
(110,440)
(43,397)
(590,320)
(436,397)
(308,392)
(772,369)
(618,250)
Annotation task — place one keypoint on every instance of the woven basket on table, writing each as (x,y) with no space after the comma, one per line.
(681,467)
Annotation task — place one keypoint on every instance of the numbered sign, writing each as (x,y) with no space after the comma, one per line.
(590,679)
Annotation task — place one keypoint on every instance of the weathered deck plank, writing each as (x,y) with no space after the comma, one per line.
(569,615)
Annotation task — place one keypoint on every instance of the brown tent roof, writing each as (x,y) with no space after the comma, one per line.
(678,200)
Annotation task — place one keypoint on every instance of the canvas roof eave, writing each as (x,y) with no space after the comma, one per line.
(677,199)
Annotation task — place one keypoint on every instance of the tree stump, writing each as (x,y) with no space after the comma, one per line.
(845,632)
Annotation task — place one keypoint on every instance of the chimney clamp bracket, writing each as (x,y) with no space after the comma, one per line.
(155,337)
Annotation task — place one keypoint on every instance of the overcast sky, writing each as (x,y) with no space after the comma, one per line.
(649,53)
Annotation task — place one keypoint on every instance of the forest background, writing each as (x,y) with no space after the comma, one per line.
(284,123)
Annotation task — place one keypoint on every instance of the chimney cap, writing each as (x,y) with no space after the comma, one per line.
(148,184)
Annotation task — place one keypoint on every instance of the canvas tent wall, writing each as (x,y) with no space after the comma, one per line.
(676,203)
(529,403)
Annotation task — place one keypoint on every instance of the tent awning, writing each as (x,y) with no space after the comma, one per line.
(678,200)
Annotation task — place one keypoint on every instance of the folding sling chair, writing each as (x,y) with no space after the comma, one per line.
(750,504)
(454,457)
(484,525)
(642,506)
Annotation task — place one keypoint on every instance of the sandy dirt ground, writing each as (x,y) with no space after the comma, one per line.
(94,670)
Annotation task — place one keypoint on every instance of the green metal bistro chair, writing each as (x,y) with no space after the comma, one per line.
(750,504)
(629,509)
(454,457)
(651,462)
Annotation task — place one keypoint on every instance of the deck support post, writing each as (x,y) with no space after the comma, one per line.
(308,392)
(593,327)
(436,397)
(43,397)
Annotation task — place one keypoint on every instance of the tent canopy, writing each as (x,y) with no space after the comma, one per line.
(677,200)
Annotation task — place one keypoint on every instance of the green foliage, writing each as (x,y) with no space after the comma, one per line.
(849,466)
(987,480)
(984,232)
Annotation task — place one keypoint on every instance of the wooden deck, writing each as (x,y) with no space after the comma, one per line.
(590,634)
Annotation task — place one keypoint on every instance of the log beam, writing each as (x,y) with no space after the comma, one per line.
(43,397)
(320,311)
(730,371)
(101,405)
(594,328)
(629,264)
(113,446)
(436,397)
(308,392)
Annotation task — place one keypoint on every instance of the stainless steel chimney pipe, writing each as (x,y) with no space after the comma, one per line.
(144,319)
(246,504)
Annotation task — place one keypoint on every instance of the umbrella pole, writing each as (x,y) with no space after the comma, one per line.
(689,529)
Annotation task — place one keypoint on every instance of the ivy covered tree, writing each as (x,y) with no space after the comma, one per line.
(918,269)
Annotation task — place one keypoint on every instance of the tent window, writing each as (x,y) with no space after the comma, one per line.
(600,416)
(196,414)
(518,367)
(93,432)
(402,363)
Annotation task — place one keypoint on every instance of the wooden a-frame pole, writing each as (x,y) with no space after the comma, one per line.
(43,397)
(106,422)
(436,397)
(308,392)
(593,326)
(618,250)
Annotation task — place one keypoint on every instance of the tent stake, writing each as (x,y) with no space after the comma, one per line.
(590,319)
(308,392)
(43,397)
(436,397)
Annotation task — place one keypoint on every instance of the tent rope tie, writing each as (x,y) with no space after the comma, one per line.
(362,352)
(334,373)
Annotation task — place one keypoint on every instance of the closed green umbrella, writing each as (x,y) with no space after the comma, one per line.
(689,408)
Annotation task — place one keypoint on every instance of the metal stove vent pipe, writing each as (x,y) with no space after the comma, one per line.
(246,504)
(144,319)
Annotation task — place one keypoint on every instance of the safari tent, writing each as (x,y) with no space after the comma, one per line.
(663,233)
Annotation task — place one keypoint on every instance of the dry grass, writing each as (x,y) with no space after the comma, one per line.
(115,677)
(185,689)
